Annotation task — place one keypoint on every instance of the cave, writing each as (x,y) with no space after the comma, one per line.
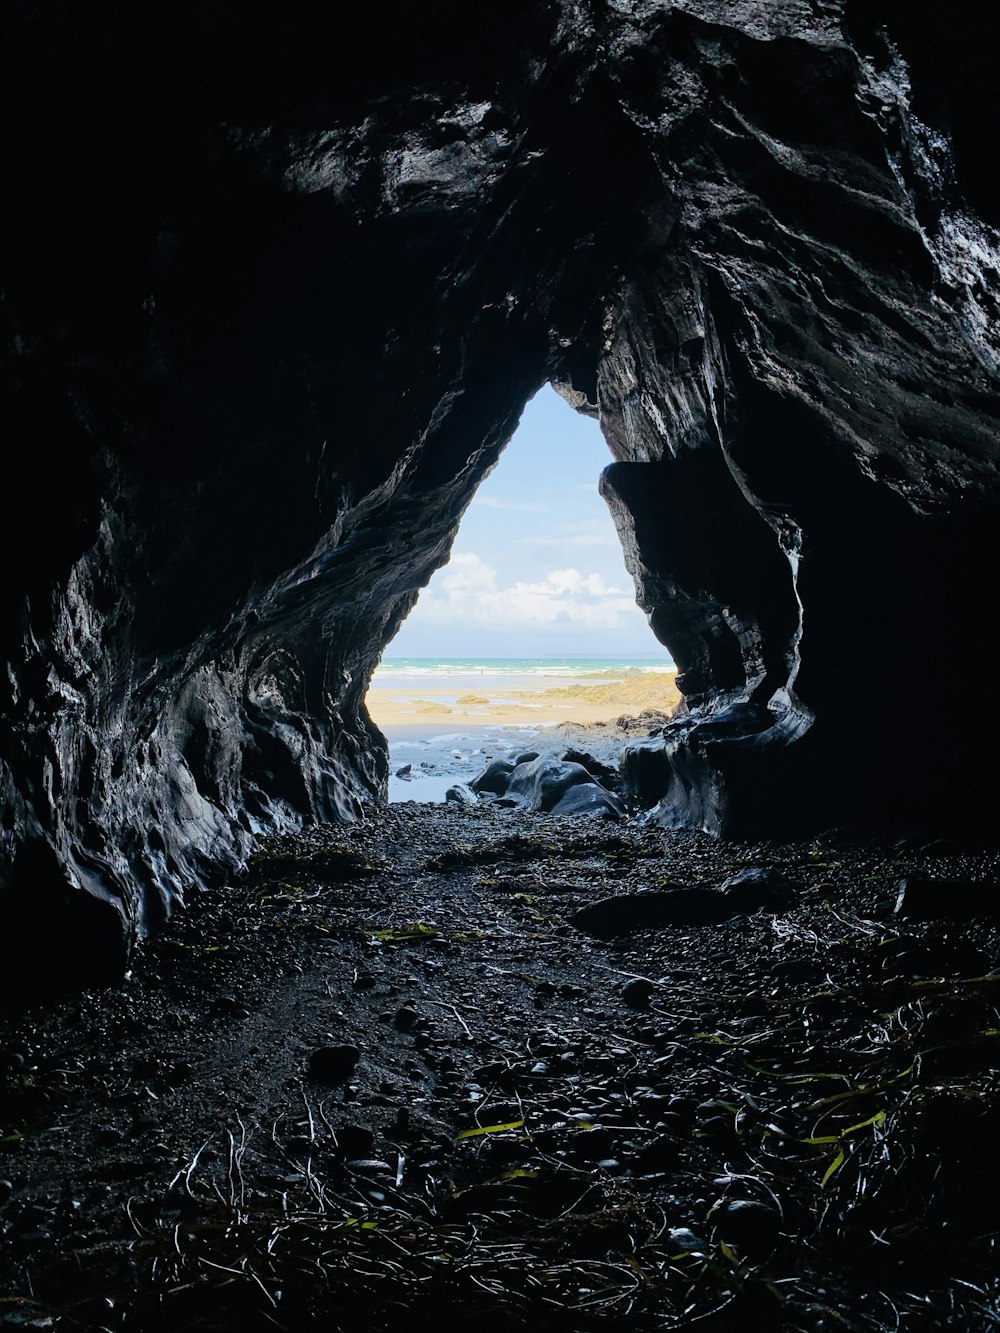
(263,340)
(276,291)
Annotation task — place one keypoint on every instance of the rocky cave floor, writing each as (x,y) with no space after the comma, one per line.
(385,1079)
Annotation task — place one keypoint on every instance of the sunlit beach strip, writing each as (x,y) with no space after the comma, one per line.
(445,727)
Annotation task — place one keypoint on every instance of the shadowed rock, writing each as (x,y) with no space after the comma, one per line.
(587,798)
(542,783)
(626,912)
(494,777)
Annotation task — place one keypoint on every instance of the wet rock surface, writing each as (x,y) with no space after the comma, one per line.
(781,1120)
(253,373)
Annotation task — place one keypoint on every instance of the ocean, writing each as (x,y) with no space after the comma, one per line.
(462,673)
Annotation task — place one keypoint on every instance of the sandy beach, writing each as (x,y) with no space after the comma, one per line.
(446,733)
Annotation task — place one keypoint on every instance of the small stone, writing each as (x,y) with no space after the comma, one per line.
(683,1239)
(365,981)
(332,1064)
(658,1154)
(6,1193)
(405,771)
(637,994)
(109,1137)
(369,1166)
(355,1141)
(406,1018)
(750,1226)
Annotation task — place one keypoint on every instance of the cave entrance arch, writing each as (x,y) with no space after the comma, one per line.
(532,622)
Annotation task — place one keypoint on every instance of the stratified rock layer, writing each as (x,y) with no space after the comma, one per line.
(276,294)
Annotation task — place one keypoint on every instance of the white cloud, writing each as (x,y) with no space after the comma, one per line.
(468,591)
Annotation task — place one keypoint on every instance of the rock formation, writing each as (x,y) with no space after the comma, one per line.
(276,291)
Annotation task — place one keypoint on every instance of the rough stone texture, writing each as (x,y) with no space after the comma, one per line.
(275,294)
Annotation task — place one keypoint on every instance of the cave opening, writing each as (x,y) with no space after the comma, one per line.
(531,625)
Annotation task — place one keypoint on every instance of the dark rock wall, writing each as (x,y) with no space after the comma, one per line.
(275,293)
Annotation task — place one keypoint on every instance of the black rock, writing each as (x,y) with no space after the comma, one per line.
(355,1141)
(493,778)
(526,757)
(6,1193)
(461,793)
(540,784)
(935,899)
(604,774)
(759,887)
(658,1154)
(626,912)
(406,1018)
(637,993)
(333,1064)
(405,771)
(749,1226)
(588,798)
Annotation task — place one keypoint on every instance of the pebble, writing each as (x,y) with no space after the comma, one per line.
(751,1226)
(332,1064)
(684,1239)
(406,1018)
(6,1193)
(355,1140)
(637,994)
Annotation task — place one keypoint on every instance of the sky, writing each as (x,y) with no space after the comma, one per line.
(536,569)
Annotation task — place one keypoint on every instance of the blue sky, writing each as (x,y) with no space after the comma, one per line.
(536,569)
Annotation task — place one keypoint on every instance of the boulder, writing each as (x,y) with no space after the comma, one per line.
(603,773)
(493,778)
(936,899)
(759,887)
(461,793)
(540,784)
(587,798)
(626,912)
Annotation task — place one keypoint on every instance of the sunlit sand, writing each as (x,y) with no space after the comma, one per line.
(405,713)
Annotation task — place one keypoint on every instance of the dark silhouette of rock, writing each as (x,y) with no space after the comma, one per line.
(266,326)
(626,912)
(752,1227)
(638,993)
(938,899)
(333,1064)
(758,887)
(526,757)
(494,777)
